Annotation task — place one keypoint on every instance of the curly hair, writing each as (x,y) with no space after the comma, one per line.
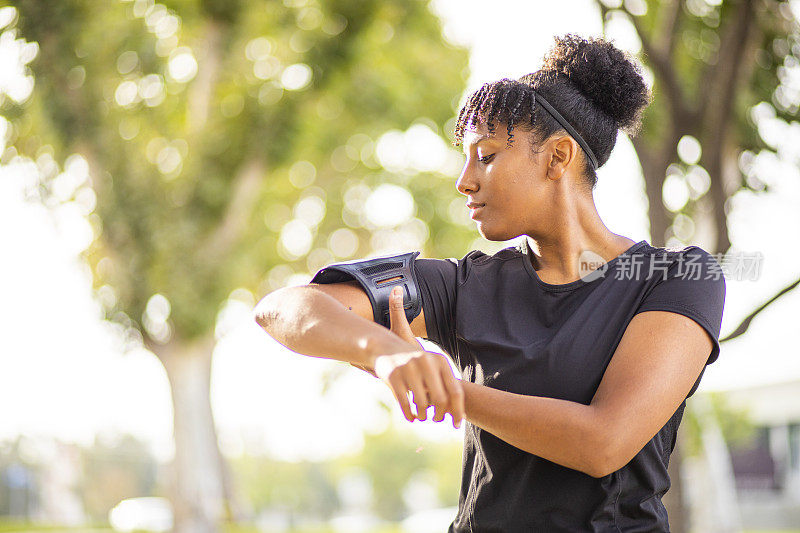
(596,87)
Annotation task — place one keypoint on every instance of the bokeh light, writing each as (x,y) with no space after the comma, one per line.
(389,205)
(689,150)
(182,66)
(343,243)
(296,77)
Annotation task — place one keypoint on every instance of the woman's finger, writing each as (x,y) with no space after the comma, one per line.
(455,394)
(417,387)
(437,394)
(439,412)
(400,391)
(397,317)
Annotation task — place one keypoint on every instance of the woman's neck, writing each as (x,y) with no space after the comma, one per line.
(558,256)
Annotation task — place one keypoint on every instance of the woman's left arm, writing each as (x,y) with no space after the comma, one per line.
(655,365)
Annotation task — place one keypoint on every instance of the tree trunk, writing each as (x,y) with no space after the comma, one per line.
(198,483)
(209,60)
(717,105)
(725,505)
(674,499)
(654,162)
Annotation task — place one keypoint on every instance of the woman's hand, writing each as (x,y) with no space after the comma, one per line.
(426,375)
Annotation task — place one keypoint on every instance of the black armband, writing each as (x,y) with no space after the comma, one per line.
(378,276)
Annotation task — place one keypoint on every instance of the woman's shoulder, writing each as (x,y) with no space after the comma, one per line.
(478,257)
(688,253)
(459,269)
(674,251)
(689,262)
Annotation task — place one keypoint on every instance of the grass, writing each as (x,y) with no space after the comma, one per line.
(25,527)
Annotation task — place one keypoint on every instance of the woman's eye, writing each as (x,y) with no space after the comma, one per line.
(485,159)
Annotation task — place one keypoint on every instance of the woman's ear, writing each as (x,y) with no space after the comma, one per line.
(563,153)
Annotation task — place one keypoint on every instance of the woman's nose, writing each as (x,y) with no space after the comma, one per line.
(466,183)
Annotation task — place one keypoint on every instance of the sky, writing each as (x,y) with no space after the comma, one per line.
(64,372)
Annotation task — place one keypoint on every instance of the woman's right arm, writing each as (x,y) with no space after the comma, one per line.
(335,321)
(331,321)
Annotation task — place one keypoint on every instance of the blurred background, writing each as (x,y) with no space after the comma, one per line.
(164,165)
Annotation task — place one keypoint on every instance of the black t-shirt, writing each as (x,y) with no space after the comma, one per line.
(507,329)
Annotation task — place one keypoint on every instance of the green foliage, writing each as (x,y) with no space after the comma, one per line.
(108,471)
(20,527)
(698,36)
(302,487)
(20,471)
(735,423)
(114,471)
(390,459)
(186,170)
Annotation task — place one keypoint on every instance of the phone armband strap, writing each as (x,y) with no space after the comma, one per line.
(378,276)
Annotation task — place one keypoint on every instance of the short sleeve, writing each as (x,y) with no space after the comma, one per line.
(693,286)
(437,280)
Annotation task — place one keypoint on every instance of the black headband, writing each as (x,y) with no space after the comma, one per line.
(561,120)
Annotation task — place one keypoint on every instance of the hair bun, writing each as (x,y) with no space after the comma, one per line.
(609,77)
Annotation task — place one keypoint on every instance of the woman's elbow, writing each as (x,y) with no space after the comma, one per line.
(606,454)
(600,466)
(261,316)
(266,310)
(601,469)
(611,458)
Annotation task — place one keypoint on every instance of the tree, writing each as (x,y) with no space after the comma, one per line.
(712,63)
(205,125)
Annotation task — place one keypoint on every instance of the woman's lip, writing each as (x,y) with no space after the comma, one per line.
(473,212)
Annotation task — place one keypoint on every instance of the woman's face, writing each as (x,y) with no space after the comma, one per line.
(517,193)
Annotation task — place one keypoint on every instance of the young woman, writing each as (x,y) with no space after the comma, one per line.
(574,372)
